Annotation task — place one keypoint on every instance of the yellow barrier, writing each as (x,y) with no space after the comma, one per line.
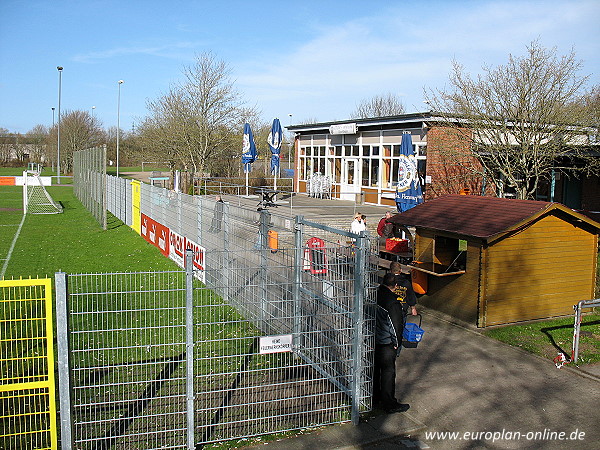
(27,383)
(136,216)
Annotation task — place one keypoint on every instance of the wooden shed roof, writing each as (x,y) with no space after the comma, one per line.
(482,217)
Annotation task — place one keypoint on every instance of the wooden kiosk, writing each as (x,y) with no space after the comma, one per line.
(493,261)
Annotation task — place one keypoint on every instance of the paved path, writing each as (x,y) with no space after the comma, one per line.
(458,380)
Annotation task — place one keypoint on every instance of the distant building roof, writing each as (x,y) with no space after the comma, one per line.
(482,217)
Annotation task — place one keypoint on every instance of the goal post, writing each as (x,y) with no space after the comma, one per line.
(36,199)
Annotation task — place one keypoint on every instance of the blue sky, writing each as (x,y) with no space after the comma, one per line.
(312,59)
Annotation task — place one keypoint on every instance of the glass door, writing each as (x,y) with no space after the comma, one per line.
(350,182)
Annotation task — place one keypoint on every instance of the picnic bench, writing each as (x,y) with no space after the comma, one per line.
(157,176)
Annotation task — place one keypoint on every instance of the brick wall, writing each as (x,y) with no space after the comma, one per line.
(450,165)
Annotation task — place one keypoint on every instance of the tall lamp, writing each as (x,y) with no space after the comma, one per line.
(59,68)
(120,82)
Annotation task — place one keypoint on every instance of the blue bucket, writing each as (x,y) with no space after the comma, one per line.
(412,332)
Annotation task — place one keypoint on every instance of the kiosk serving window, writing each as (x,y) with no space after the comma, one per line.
(443,256)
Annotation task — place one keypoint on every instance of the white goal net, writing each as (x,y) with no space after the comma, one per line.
(36,199)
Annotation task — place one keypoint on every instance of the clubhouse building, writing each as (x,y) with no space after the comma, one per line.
(358,160)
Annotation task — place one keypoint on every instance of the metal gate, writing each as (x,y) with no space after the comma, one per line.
(264,343)
(27,395)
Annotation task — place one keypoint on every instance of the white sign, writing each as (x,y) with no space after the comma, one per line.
(275,344)
(343,128)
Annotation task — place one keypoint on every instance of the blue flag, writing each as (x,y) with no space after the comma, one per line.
(274,141)
(249,153)
(408,190)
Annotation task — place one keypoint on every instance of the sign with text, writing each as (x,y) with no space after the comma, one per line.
(173,245)
(275,344)
(343,128)
(177,248)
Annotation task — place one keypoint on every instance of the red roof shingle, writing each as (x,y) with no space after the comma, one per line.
(471,215)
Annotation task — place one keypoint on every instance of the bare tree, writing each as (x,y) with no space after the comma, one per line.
(378,106)
(8,146)
(78,131)
(194,122)
(517,121)
(37,139)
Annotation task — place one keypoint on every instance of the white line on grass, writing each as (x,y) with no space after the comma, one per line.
(12,247)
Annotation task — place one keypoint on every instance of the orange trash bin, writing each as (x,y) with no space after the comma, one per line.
(419,280)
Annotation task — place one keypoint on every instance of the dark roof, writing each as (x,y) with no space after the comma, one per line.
(482,217)
(323,127)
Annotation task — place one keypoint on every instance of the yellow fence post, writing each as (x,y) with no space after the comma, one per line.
(27,382)
(136,217)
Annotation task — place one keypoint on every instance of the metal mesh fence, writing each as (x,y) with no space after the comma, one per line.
(89,181)
(119,198)
(139,341)
(127,360)
(175,359)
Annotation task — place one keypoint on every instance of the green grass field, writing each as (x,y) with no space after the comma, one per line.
(549,337)
(71,242)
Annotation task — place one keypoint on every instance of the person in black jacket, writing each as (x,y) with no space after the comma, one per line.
(389,323)
(404,290)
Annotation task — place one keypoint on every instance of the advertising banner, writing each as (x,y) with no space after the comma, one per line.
(155,233)
(173,245)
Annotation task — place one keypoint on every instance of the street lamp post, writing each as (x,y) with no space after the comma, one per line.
(118,122)
(53,128)
(290,145)
(60,69)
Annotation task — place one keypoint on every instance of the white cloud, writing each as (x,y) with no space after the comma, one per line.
(179,50)
(397,53)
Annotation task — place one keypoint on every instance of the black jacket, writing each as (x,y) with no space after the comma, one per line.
(405,293)
(389,318)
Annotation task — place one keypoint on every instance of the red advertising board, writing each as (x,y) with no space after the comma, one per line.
(155,233)
(171,244)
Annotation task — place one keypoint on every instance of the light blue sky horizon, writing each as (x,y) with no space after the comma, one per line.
(312,59)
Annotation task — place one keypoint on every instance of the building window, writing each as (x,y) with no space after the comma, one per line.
(375,172)
(366,171)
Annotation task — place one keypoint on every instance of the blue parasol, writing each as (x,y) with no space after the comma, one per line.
(274,141)
(249,153)
(408,190)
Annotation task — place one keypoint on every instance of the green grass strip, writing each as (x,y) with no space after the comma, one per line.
(74,243)
(549,337)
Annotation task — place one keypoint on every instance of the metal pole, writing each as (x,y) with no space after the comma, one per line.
(120,82)
(64,372)
(576,331)
(265,218)
(298,263)
(104,189)
(58,130)
(358,323)
(189,345)
(228,272)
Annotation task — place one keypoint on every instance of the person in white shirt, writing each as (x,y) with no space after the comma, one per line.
(358,224)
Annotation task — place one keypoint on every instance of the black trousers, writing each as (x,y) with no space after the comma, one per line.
(384,377)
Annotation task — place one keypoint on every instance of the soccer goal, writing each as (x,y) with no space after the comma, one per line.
(36,199)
